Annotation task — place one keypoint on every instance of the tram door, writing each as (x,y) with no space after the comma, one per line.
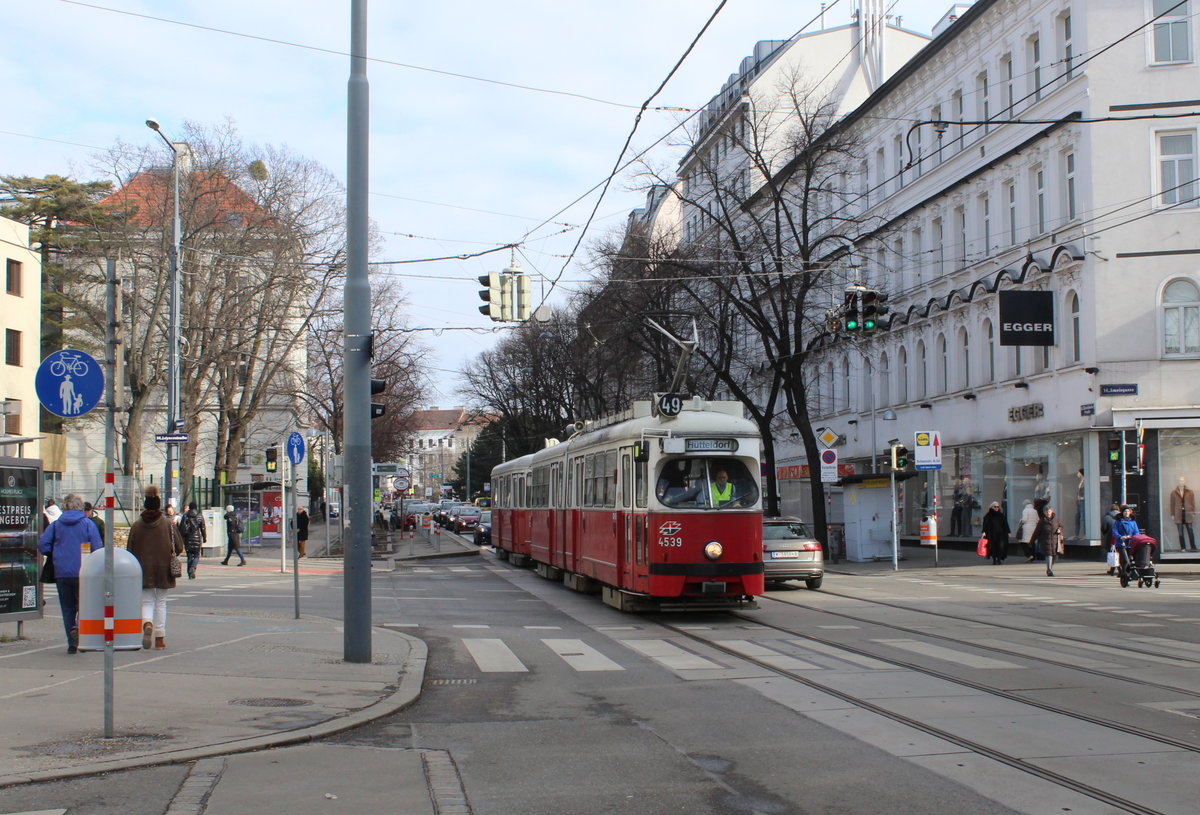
(625,517)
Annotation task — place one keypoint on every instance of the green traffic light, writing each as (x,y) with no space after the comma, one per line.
(851,324)
(868,324)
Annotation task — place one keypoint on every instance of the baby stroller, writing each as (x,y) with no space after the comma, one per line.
(1137,562)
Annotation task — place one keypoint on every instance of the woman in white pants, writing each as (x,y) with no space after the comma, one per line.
(152,540)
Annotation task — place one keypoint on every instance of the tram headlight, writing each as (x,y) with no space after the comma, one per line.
(713,550)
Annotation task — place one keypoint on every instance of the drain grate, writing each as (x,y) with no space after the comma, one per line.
(270,701)
(453,681)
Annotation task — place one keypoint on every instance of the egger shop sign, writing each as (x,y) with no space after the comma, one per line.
(1026,318)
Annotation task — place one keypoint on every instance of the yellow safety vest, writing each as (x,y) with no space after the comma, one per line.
(719,495)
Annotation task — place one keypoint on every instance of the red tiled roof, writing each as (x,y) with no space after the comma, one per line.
(216,197)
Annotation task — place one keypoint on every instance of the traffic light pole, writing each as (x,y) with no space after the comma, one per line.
(356,584)
(895,529)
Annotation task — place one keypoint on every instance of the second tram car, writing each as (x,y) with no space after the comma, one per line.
(654,512)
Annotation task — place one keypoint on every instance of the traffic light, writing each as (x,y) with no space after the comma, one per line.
(272,459)
(378,386)
(899,457)
(493,295)
(873,309)
(851,320)
(523,299)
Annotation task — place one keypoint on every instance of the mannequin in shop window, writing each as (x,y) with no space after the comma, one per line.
(1183,511)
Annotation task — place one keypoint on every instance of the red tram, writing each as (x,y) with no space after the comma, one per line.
(654,512)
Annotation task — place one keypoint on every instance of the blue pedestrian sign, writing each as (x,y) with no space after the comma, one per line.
(69,383)
(295,448)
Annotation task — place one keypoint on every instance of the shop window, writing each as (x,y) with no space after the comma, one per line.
(1181,318)
(1171,34)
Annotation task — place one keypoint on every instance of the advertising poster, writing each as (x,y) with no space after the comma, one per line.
(272,514)
(19,527)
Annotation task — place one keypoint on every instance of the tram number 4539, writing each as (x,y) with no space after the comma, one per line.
(670,542)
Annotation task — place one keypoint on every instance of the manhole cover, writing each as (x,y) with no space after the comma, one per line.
(271,701)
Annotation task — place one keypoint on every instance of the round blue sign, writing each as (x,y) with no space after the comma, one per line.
(69,383)
(295,448)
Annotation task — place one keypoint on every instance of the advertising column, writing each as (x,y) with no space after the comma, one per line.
(19,516)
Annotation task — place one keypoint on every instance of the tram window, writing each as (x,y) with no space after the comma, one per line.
(589,469)
(639,474)
(708,483)
(625,480)
(610,478)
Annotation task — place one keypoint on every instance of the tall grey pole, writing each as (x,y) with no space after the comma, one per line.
(295,537)
(110,450)
(357,365)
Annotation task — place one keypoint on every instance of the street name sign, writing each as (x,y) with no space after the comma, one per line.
(172,438)
(927,450)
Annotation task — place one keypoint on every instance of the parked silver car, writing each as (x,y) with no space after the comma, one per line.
(790,552)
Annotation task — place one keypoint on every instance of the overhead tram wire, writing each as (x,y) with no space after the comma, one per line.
(337,53)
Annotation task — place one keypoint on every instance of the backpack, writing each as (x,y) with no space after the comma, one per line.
(189,526)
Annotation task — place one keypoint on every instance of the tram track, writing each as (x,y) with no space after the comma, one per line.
(1014,651)
(974,746)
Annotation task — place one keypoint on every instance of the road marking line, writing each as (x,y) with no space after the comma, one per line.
(947,654)
(763,654)
(580,656)
(671,656)
(493,656)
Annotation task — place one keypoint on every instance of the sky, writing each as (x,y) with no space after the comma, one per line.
(462,161)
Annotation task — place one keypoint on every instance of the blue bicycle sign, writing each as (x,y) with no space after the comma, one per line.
(69,383)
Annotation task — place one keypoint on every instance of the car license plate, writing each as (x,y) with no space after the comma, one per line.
(784,555)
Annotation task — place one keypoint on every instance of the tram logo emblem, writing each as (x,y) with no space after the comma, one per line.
(670,528)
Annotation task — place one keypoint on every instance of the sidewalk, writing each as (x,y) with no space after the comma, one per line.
(228,683)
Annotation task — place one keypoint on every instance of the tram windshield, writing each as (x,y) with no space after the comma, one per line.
(706,483)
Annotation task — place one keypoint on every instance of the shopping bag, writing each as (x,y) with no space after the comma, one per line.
(981,547)
(1113,558)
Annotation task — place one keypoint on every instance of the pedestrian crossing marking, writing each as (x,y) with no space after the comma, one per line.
(948,654)
(766,655)
(493,656)
(672,656)
(580,656)
(843,655)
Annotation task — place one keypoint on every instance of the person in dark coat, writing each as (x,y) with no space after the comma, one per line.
(996,530)
(1049,535)
(64,539)
(233,536)
(301,531)
(94,518)
(153,538)
(191,526)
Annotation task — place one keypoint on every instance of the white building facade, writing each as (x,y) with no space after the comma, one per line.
(1044,147)
(22,320)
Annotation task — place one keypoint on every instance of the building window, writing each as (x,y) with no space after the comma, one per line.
(898,161)
(880,173)
(1015,361)
(1035,66)
(984,99)
(12,417)
(956,100)
(867,394)
(1171,32)
(990,334)
(1068,47)
(1177,167)
(1181,318)
(12,347)
(918,259)
(939,246)
(828,395)
(943,364)
(1038,177)
(1076,333)
(885,380)
(922,371)
(1006,72)
(936,115)
(985,223)
(12,277)
(960,248)
(901,375)
(845,382)
(964,350)
(1069,203)
(1010,195)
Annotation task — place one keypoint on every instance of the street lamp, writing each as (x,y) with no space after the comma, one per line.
(172,326)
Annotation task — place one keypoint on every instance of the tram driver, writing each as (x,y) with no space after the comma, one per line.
(705,483)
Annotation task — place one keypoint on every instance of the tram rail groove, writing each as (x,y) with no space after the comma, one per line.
(1015,762)
(1121,649)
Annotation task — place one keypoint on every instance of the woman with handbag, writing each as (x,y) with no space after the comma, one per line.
(995,529)
(1049,538)
(157,544)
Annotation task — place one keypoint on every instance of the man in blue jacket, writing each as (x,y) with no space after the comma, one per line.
(64,539)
